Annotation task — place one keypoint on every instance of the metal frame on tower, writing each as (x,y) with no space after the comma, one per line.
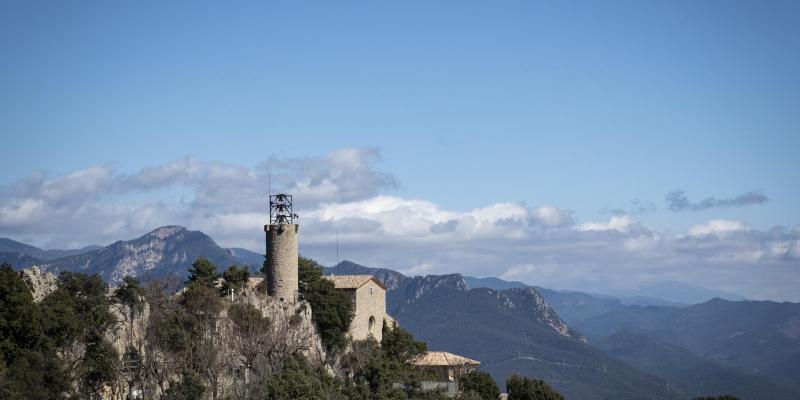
(280,209)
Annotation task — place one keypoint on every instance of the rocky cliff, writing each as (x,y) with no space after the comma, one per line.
(290,330)
(40,283)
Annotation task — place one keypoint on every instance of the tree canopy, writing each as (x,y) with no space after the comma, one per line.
(478,384)
(522,388)
(332,309)
(203,272)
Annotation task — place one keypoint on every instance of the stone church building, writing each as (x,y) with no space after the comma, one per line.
(369,299)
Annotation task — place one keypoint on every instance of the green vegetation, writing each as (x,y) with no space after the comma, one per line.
(131,294)
(383,371)
(32,335)
(297,380)
(202,272)
(478,385)
(198,345)
(188,387)
(235,278)
(332,309)
(522,388)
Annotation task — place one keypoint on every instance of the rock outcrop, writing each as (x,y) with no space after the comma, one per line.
(529,298)
(40,283)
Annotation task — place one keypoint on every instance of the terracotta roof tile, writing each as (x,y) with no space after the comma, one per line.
(352,281)
(443,358)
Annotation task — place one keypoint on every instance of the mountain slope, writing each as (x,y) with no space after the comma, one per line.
(682,293)
(247,257)
(509,331)
(19,260)
(165,251)
(8,246)
(761,338)
(681,367)
(491,282)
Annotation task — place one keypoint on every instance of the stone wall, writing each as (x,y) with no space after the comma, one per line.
(282,261)
(370,302)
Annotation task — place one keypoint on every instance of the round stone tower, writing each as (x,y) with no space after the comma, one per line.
(282,261)
(281,264)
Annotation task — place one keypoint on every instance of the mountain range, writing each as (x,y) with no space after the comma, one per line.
(746,348)
(508,331)
(168,250)
(587,346)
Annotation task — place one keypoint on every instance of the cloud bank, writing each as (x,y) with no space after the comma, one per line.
(345,194)
(677,201)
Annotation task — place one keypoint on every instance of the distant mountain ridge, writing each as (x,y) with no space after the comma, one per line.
(667,293)
(696,375)
(403,290)
(748,348)
(22,255)
(681,293)
(677,351)
(511,330)
(167,250)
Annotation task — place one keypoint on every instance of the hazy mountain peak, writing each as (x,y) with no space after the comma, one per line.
(165,231)
(166,250)
(493,283)
(680,292)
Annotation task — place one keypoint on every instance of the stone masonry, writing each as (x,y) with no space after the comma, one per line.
(369,300)
(282,261)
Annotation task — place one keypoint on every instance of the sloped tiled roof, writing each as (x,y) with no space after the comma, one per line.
(443,358)
(352,281)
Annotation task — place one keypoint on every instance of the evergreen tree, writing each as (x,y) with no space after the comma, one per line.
(235,278)
(78,311)
(480,384)
(34,375)
(332,309)
(203,272)
(29,366)
(130,293)
(297,380)
(522,388)
(189,387)
(400,344)
(20,321)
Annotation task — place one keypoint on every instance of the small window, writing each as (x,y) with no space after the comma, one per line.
(371,290)
(371,324)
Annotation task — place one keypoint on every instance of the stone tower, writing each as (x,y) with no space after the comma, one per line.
(281,264)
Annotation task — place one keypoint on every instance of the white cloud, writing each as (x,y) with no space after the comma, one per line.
(719,227)
(517,271)
(616,223)
(343,193)
(96,204)
(551,215)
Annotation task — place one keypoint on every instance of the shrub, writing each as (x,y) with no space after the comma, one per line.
(332,310)
(203,272)
(522,388)
(235,278)
(131,294)
(480,384)
(189,387)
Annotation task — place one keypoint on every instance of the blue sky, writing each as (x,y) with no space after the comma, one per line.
(583,105)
